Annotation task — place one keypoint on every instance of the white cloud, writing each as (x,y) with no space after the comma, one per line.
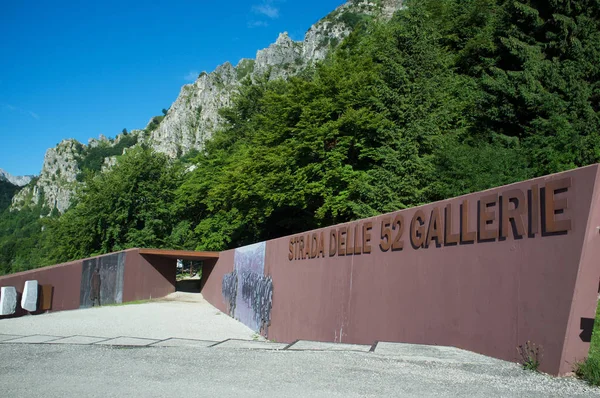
(266,9)
(12,108)
(191,76)
(257,24)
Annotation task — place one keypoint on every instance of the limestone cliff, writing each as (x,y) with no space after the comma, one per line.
(63,167)
(57,179)
(194,115)
(19,181)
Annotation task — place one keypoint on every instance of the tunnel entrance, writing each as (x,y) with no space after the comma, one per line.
(185,271)
(189,275)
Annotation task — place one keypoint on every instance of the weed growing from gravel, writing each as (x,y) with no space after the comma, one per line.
(531,355)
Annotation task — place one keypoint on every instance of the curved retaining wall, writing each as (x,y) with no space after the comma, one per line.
(486,272)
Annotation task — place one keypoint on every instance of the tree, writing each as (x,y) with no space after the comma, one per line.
(128,206)
(539,80)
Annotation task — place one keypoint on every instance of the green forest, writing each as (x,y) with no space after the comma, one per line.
(447,98)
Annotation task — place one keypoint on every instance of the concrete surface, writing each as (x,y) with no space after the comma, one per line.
(78,340)
(35,339)
(184,343)
(4,337)
(322,346)
(128,341)
(251,345)
(181,315)
(432,353)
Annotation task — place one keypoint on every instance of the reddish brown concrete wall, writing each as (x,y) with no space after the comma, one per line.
(484,296)
(64,278)
(144,277)
(212,278)
(148,276)
(583,304)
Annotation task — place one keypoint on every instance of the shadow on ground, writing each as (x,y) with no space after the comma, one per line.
(188,286)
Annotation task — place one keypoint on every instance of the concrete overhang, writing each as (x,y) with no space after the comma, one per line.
(180,254)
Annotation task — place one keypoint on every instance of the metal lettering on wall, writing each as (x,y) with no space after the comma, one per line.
(513,213)
(248,292)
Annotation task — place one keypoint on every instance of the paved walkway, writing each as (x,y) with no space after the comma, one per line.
(413,352)
(184,346)
(186,320)
(180,315)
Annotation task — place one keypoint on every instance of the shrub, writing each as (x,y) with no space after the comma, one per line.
(352,19)
(153,125)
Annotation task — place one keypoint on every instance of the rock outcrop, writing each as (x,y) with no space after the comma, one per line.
(57,181)
(19,181)
(194,115)
(56,185)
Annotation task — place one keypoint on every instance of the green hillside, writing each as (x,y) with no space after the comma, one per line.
(7,191)
(448,97)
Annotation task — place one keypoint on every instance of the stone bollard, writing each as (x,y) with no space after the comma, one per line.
(30,296)
(8,300)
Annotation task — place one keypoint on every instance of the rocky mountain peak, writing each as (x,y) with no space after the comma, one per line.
(283,39)
(19,181)
(194,116)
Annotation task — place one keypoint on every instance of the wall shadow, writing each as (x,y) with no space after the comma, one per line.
(587,327)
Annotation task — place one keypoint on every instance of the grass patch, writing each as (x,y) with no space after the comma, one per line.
(127,303)
(589,370)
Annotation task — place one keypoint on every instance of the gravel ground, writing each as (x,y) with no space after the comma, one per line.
(94,371)
(226,370)
(182,315)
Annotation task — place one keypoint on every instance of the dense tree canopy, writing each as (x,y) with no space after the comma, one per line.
(448,97)
(7,191)
(124,208)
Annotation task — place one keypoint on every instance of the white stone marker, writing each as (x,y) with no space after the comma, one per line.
(30,296)
(8,300)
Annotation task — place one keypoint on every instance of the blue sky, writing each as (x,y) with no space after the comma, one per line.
(78,69)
